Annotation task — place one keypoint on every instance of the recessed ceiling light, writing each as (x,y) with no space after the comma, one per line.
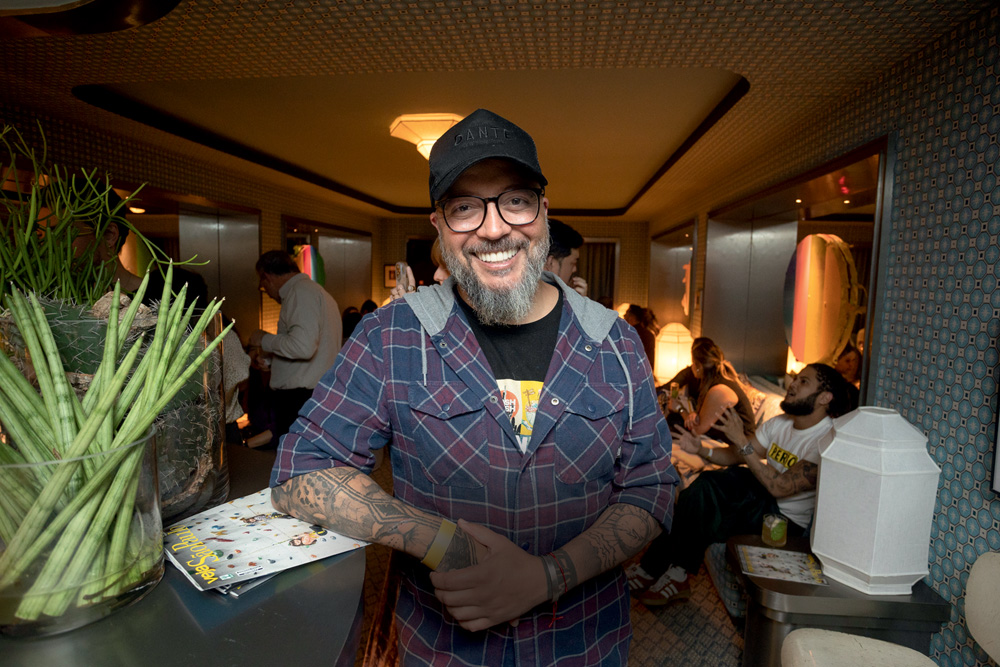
(847,201)
(798,201)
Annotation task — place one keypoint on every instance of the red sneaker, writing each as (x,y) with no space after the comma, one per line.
(672,586)
(638,579)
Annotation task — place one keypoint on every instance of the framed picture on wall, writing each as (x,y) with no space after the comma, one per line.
(389,275)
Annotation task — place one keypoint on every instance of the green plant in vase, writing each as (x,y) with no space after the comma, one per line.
(70,533)
(53,245)
(80,524)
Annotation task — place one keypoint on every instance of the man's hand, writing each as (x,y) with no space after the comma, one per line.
(731,424)
(688,441)
(690,420)
(504,584)
(401,288)
(256,337)
(578,284)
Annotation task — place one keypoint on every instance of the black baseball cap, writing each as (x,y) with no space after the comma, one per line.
(481,135)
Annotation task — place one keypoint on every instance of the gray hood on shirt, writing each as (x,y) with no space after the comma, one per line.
(433,304)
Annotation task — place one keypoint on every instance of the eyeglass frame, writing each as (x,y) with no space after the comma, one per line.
(540,192)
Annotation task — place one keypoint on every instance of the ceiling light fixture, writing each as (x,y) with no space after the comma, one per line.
(422,129)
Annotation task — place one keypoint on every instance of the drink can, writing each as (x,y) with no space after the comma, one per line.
(775,530)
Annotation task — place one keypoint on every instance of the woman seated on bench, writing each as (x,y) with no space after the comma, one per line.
(719,387)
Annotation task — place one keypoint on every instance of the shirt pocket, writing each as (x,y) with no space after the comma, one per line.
(588,436)
(450,434)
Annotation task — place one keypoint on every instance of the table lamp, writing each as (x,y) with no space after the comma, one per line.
(875,503)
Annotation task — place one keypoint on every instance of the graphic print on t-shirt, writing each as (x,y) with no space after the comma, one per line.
(520,401)
(779,455)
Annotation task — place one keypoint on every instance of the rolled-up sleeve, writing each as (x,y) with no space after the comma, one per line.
(346,418)
(645,476)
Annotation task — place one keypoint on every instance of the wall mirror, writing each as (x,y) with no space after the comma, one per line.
(794,267)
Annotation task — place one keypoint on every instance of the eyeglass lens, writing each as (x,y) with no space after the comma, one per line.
(466,213)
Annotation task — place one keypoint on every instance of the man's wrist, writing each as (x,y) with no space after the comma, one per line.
(747,449)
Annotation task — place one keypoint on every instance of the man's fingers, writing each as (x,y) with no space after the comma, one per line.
(481,534)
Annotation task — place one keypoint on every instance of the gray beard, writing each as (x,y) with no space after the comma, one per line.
(506,306)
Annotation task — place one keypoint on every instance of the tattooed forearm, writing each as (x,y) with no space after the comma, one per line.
(620,533)
(800,477)
(461,553)
(351,503)
(617,535)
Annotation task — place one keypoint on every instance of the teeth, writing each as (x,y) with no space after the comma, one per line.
(497,256)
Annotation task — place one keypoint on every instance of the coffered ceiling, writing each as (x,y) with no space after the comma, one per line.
(636,105)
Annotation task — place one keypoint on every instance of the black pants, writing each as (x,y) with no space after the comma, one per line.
(717,506)
(287,403)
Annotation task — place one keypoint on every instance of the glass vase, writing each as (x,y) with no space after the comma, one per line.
(79,538)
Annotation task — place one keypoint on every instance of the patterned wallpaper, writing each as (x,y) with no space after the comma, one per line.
(939,327)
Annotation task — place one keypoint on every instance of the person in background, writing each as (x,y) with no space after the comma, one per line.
(564,253)
(308,339)
(719,388)
(235,373)
(441,274)
(638,317)
(529,454)
(367,306)
(849,366)
(350,318)
(781,466)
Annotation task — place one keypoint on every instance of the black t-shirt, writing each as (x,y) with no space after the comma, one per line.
(519,356)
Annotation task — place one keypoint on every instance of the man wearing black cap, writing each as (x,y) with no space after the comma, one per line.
(529,455)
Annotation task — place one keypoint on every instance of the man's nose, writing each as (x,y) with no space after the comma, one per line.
(494,226)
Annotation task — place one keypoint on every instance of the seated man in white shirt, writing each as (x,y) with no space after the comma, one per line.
(781,464)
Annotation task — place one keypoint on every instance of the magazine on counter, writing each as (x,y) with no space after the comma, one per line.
(246,539)
(771,563)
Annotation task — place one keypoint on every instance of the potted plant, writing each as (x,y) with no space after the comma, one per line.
(80,527)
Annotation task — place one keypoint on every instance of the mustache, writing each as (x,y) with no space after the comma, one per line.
(499,245)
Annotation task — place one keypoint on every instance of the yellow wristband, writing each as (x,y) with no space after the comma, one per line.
(440,544)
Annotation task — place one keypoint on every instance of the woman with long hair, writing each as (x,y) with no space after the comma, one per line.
(719,387)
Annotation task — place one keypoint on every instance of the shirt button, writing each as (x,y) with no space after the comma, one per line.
(493,399)
(443,344)
(525,545)
(590,408)
(588,348)
(446,406)
(555,401)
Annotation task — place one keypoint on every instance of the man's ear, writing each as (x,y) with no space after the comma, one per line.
(825,398)
(111,236)
(434,220)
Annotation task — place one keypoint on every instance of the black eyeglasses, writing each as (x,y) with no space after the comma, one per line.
(516,207)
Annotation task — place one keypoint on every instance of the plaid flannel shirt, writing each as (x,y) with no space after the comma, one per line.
(599,438)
